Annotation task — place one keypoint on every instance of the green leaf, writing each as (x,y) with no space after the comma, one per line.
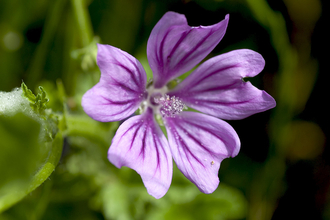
(25,162)
(19,149)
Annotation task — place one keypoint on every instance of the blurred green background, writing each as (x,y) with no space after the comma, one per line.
(282,171)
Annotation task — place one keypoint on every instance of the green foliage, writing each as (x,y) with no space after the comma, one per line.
(20,149)
(121,201)
(225,203)
(25,162)
(31,144)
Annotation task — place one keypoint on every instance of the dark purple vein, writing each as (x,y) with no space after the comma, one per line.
(119,102)
(196,141)
(131,73)
(134,135)
(160,57)
(219,102)
(157,151)
(206,130)
(122,85)
(186,150)
(178,43)
(211,74)
(137,68)
(187,55)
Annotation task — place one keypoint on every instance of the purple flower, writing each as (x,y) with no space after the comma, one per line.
(197,142)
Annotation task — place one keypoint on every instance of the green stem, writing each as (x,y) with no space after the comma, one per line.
(83,20)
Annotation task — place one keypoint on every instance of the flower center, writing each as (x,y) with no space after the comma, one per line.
(161,103)
(169,106)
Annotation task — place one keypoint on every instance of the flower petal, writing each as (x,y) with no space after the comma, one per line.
(174,47)
(217,88)
(140,144)
(198,144)
(121,88)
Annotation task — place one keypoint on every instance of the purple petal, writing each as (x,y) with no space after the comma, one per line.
(217,88)
(198,144)
(174,47)
(140,144)
(121,88)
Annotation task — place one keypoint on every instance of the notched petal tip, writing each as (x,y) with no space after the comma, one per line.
(254,60)
(269,101)
(217,87)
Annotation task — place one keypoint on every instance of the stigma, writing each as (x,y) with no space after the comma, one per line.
(169,106)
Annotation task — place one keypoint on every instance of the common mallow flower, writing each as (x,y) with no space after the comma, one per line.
(198,142)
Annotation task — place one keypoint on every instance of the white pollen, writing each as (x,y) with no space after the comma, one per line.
(170,106)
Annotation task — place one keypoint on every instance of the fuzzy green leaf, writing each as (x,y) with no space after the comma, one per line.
(25,163)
